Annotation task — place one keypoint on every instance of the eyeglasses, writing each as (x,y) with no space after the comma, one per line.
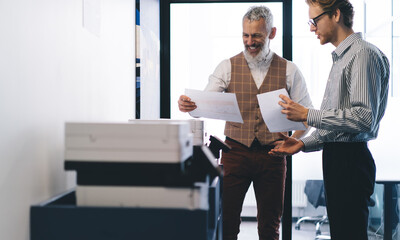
(313,21)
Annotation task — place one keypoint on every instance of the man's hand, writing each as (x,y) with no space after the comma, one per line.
(288,146)
(293,110)
(185,104)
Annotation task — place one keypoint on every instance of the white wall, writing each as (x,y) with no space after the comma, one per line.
(52,70)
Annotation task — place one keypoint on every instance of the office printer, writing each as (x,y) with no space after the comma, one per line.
(140,163)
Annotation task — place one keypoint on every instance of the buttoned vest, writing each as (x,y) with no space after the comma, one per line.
(243,85)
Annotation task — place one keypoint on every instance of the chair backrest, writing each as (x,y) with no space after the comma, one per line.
(315,192)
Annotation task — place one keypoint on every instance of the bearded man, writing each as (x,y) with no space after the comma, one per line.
(254,71)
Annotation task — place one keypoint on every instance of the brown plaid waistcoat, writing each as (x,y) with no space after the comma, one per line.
(242,83)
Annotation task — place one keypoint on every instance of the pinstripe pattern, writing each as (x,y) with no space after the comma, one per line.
(355,96)
(242,83)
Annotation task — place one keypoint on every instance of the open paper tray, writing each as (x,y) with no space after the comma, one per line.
(191,198)
(59,218)
(114,173)
(131,174)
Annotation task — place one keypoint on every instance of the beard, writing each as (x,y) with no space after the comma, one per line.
(259,57)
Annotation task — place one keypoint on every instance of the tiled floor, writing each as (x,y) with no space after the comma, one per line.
(248,231)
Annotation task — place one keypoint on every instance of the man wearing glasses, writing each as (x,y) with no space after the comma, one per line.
(354,103)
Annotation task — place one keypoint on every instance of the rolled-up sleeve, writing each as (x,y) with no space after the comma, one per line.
(219,80)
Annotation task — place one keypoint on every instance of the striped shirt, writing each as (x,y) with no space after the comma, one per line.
(355,96)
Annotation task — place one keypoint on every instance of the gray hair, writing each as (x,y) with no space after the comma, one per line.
(256,12)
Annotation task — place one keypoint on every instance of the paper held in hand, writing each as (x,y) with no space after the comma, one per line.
(271,112)
(215,105)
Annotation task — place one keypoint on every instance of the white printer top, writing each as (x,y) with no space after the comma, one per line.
(166,141)
(196,126)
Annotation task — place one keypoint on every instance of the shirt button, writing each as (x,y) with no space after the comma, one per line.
(257,106)
(257,117)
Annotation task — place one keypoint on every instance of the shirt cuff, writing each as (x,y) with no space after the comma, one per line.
(314,118)
(311,144)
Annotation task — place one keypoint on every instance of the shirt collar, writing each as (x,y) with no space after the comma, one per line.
(345,44)
(268,58)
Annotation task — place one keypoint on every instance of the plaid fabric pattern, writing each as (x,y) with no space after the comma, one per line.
(242,83)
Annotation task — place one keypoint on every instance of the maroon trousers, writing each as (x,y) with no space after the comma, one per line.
(243,165)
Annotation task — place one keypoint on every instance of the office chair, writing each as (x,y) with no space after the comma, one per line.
(315,193)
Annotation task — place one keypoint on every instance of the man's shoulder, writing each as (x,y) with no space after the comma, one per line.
(362,45)
(277,57)
(291,66)
(239,55)
(365,53)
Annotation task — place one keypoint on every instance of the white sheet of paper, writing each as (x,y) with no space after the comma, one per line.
(215,105)
(271,112)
